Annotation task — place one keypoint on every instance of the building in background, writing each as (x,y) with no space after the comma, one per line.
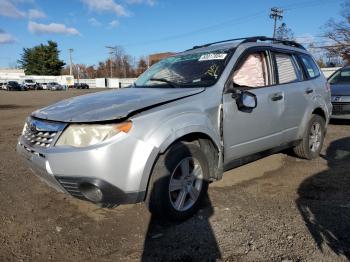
(154,58)
(11,74)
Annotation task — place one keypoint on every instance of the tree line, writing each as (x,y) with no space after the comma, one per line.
(120,65)
(44,60)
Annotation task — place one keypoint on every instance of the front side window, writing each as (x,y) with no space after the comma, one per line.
(310,65)
(253,71)
(340,77)
(286,70)
(198,69)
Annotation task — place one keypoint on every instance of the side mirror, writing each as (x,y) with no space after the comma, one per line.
(247,101)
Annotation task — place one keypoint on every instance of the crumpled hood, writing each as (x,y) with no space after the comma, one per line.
(111,105)
(340,90)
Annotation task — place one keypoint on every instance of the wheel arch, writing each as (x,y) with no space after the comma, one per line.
(319,111)
(208,144)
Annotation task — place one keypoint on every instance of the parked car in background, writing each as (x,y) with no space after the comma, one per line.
(39,86)
(54,86)
(185,121)
(81,86)
(3,86)
(340,89)
(15,86)
(30,84)
(44,86)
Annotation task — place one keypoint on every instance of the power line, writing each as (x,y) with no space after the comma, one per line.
(235,21)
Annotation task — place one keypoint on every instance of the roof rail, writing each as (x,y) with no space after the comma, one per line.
(273,40)
(254,39)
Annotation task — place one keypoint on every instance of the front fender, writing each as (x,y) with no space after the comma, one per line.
(181,125)
(175,128)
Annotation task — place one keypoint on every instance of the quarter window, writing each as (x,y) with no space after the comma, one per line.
(286,69)
(310,66)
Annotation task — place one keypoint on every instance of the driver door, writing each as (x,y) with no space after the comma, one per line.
(247,132)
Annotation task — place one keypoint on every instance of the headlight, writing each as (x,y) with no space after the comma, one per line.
(87,135)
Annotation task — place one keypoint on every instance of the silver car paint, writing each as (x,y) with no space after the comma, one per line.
(126,160)
(110,105)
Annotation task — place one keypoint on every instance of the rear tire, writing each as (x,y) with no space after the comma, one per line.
(312,141)
(178,183)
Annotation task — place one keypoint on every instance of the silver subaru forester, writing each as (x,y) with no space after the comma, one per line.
(185,121)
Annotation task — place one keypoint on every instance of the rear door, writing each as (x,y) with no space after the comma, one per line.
(248,132)
(290,80)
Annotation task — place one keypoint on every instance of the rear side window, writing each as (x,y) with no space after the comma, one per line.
(286,69)
(310,66)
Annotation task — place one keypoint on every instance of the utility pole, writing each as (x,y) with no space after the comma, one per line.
(70,50)
(112,50)
(276,14)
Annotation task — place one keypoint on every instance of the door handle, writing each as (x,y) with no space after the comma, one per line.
(309,91)
(277,97)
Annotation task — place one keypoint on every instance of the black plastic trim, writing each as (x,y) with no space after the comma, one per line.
(112,195)
(256,156)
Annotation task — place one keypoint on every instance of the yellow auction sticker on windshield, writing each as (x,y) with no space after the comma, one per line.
(212,56)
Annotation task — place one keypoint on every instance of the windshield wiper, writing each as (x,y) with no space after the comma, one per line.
(172,84)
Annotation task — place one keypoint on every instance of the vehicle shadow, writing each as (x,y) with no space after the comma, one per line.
(324,200)
(191,240)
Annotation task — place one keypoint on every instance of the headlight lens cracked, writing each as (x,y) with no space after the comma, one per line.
(83,135)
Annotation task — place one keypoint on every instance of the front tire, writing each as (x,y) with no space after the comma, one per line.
(179,182)
(312,142)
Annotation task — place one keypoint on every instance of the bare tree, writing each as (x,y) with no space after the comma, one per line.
(339,34)
(141,66)
(284,32)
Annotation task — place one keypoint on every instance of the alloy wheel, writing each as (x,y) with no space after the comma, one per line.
(185,184)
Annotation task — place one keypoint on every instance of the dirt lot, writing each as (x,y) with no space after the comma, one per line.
(279,208)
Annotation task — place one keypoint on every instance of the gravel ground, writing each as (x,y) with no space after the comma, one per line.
(279,208)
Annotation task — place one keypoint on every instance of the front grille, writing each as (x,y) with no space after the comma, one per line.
(71,186)
(41,133)
(341,108)
(39,138)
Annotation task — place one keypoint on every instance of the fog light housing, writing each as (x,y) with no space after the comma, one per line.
(91,192)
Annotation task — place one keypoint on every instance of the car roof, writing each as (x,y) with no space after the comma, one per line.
(247,42)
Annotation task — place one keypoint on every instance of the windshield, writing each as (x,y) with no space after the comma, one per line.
(29,81)
(200,69)
(341,77)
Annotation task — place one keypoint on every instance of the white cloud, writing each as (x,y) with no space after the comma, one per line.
(6,38)
(9,9)
(52,28)
(148,2)
(94,22)
(36,14)
(106,6)
(113,23)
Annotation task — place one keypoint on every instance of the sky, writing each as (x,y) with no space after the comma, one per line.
(143,27)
